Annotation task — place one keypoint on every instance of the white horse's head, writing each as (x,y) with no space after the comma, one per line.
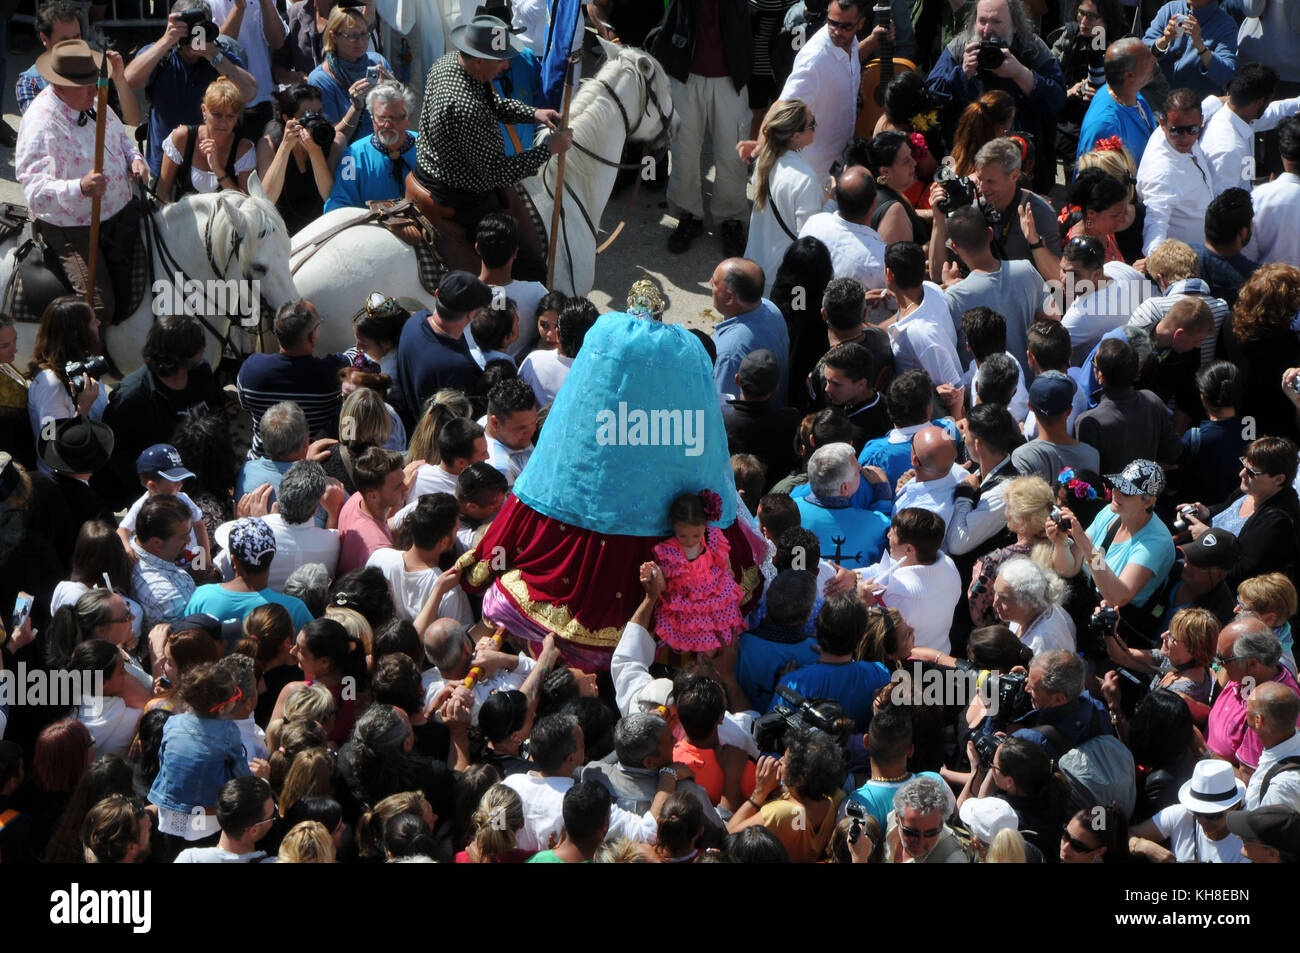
(648,100)
(250,243)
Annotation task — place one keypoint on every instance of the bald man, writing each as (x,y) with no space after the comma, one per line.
(1249,653)
(857,250)
(1118,109)
(749,322)
(930,483)
(451,653)
(1271,714)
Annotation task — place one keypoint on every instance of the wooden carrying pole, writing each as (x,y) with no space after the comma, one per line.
(101,111)
(554,242)
(499,637)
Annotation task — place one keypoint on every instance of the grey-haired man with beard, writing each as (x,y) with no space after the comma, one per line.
(374,168)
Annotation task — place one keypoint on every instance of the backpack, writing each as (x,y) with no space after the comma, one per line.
(1100,770)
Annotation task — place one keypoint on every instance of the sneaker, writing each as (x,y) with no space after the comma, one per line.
(733,238)
(688,229)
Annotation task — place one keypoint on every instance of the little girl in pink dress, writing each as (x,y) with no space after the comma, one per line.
(700,609)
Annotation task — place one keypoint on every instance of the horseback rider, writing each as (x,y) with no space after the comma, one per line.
(462,161)
(55,162)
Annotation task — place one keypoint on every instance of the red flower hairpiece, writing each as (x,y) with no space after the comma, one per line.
(919,148)
(1067,212)
(712,505)
(1110,144)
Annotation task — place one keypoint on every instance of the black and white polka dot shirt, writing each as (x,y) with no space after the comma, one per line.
(460,143)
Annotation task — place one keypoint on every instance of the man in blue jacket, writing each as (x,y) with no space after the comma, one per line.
(1195,42)
(1026,70)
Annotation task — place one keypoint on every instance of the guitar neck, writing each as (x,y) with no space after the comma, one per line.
(885,17)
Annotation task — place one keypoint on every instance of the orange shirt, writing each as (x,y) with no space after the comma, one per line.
(708,773)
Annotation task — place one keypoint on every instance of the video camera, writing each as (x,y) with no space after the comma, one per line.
(796,715)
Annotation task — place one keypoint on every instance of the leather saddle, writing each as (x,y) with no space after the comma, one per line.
(456,245)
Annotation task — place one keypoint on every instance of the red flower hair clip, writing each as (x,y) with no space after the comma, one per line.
(712,505)
(919,148)
(1067,212)
(1109,144)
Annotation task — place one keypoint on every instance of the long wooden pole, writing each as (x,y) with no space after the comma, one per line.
(101,110)
(554,243)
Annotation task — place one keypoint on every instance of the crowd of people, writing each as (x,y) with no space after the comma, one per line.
(1022,457)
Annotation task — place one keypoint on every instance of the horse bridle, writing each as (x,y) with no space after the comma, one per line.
(153,236)
(665,119)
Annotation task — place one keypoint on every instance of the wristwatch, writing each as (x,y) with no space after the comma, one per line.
(216,60)
(1038,244)
(666,769)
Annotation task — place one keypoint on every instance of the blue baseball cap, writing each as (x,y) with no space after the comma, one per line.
(165,460)
(1052,393)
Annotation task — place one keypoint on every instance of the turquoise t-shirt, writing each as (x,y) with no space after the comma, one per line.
(878,796)
(234,606)
(1152,547)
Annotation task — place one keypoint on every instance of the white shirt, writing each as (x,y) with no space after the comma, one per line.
(1189,843)
(1229,142)
(545,371)
(924,595)
(544,817)
(796,192)
(1277,212)
(1284,789)
(112,728)
(1019,407)
(926,340)
(857,251)
(431,478)
(1093,314)
(253,738)
(525,295)
(932,495)
(218,855)
(1175,191)
(507,460)
(502,680)
(294,546)
(826,78)
(252,39)
(411,589)
(1052,630)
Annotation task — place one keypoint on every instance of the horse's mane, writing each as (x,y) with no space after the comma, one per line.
(590,98)
(263,217)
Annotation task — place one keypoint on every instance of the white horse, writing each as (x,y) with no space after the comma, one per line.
(628,99)
(230,250)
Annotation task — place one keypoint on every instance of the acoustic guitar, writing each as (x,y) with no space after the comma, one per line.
(876,76)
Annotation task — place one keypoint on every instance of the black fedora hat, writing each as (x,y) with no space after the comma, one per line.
(486,38)
(79,446)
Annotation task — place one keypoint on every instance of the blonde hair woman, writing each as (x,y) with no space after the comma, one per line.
(307,843)
(341,76)
(208,157)
(438,409)
(787,191)
(493,828)
(311,774)
(1028,502)
(1116,161)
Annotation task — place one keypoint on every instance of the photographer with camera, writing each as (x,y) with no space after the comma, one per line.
(1079,49)
(1195,42)
(1119,109)
(1060,715)
(999,50)
(64,371)
(176,70)
(297,157)
(377,165)
(1025,776)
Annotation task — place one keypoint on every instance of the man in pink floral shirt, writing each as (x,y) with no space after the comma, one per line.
(55,163)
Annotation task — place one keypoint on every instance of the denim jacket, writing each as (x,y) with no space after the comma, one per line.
(198,756)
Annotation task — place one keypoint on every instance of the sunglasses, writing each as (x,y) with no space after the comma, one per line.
(1185,130)
(239,693)
(1078,846)
(812,124)
(351,36)
(840,26)
(914,834)
(1224,659)
(1248,468)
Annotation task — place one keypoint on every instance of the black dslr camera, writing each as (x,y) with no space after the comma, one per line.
(959,190)
(794,715)
(1012,700)
(990,56)
(198,19)
(76,372)
(986,746)
(319,128)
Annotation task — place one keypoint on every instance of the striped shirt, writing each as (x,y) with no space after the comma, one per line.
(310,382)
(1149,312)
